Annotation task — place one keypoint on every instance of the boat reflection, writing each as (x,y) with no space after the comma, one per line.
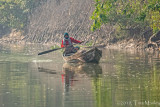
(74,72)
(90,69)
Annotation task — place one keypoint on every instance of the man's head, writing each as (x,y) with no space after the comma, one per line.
(66,35)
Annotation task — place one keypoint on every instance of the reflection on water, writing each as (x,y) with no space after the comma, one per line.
(46,70)
(71,72)
(74,81)
(121,79)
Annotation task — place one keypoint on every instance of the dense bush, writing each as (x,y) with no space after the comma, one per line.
(127,14)
(14,13)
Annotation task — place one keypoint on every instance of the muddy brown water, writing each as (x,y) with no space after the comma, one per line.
(121,79)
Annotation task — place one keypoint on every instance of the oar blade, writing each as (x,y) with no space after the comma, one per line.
(45,52)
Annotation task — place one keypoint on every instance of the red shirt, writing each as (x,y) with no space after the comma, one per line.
(72,41)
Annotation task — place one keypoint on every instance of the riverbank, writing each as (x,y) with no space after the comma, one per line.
(135,47)
(126,44)
(14,37)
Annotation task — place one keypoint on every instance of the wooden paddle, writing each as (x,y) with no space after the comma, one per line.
(41,53)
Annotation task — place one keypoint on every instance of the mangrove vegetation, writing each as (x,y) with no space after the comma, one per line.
(95,21)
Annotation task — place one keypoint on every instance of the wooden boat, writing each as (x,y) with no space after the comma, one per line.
(90,56)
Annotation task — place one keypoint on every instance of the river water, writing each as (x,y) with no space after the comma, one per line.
(121,79)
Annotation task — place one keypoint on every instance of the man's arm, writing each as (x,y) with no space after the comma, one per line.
(74,40)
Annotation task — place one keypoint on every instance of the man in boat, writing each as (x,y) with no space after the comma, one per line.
(67,44)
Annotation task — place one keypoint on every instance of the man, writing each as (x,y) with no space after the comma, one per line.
(67,44)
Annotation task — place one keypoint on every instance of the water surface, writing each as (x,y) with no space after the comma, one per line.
(121,79)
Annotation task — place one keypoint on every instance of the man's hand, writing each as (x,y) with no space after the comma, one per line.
(81,42)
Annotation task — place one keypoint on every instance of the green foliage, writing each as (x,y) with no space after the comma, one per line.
(141,16)
(154,14)
(14,13)
(127,14)
(90,43)
(99,15)
(55,46)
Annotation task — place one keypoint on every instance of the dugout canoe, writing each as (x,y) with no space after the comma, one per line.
(89,56)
